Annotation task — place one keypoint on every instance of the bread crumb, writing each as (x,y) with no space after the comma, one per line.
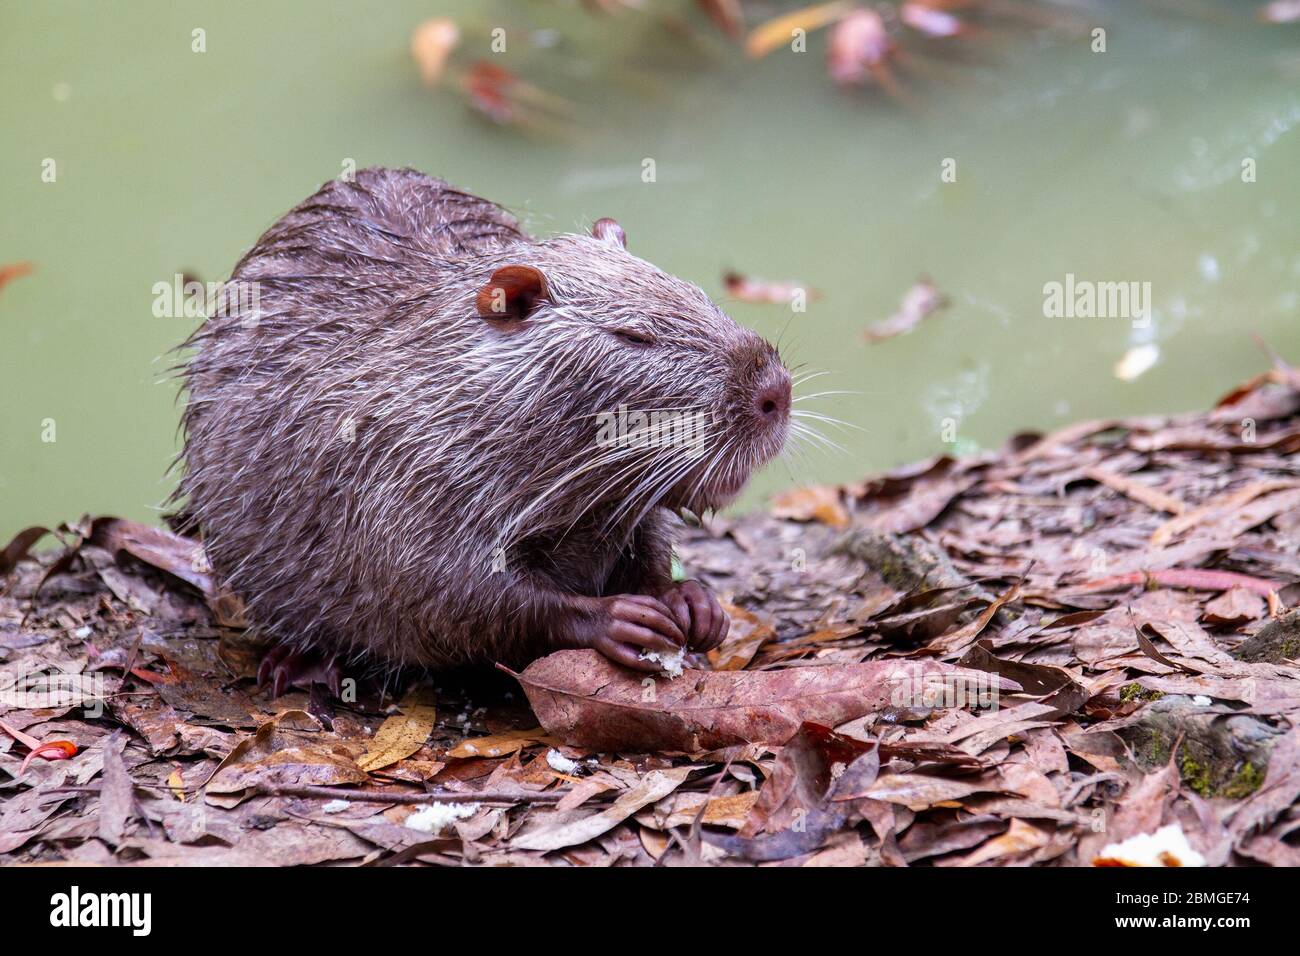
(1168,846)
(672,664)
(435,816)
(562,764)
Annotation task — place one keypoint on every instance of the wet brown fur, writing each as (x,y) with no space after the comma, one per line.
(382,474)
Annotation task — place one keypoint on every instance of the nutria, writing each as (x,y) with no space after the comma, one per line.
(394,447)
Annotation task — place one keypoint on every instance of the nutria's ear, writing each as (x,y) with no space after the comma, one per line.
(513,292)
(609,231)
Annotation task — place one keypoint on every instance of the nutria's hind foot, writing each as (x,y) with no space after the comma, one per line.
(285,665)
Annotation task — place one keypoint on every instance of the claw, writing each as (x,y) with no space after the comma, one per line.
(283,667)
(270,660)
(281,683)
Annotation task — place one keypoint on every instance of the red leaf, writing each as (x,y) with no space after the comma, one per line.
(54,750)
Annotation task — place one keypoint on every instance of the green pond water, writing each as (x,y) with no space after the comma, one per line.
(1113,167)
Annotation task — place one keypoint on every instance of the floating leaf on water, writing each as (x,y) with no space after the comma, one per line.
(1136,361)
(431,45)
(1280,11)
(918,303)
(779,32)
(925,18)
(14,270)
(748,289)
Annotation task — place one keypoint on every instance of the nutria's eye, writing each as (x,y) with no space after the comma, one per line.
(633,337)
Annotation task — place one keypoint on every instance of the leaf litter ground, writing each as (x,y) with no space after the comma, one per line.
(1020,658)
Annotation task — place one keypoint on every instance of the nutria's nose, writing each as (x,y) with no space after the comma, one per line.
(772,399)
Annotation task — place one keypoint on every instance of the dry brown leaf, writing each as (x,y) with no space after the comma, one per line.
(814,788)
(725,811)
(925,500)
(728,811)
(165,551)
(727,15)
(587,701)
(1020,838)
(277,755)
(960,639)
(813,503)
(843,849)
(1235,606)
(560,828)
(764,291)
(919,791)
(1151,497)
(1279,792)
(18,547)
(948,834)
(748,633)
(654,842)
(116,792)
(176,784)
(1216,509)
(799,646)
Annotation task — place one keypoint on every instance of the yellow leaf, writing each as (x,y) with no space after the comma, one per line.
(498,745)
(400,735)
(813,503)
(729,811)
(766,37)
(431,44)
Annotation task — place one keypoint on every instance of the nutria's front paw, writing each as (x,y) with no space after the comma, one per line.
(628,624)
(698,613)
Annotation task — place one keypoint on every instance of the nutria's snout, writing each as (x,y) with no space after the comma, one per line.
(770,412)
(755,421)
(764,383)
(772,399)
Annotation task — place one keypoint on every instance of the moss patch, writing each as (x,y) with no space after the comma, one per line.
(1218,754)
(1136,691)
(1245,782)
(1196,775)
(1277,641)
